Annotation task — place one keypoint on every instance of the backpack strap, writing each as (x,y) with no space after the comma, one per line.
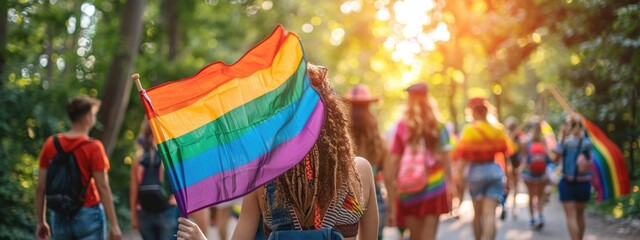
(56,143)
(575,172)
(564,162)
(280,217)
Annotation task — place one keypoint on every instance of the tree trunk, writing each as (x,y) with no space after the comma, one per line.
(117,88)
(3,38)
(170,9)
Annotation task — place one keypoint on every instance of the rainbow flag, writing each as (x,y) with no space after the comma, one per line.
(435,187)
(229,129)
(611,178)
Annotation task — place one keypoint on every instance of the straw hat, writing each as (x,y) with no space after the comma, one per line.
(359,94)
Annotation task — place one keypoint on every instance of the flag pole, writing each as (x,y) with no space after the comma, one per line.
(136,78)
(563,102)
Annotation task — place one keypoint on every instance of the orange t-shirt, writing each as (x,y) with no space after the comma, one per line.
(91,157)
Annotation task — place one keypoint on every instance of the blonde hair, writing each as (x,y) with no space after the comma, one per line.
(422,122)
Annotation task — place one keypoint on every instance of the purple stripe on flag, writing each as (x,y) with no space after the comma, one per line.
(245,179)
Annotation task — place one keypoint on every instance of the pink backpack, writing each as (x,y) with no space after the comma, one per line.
(412,171)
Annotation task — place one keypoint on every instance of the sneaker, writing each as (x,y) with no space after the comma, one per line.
(532,223)
(540,223)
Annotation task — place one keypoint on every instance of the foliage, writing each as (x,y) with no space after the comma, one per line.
(506,50)
(622,207)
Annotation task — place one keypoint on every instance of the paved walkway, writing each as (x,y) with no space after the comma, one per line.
(511,228)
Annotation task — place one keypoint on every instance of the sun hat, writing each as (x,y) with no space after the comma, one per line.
(359,94)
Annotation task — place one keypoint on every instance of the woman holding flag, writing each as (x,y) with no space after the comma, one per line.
(342,193)
(574,149)
(269,128)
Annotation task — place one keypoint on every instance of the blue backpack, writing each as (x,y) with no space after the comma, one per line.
(64,190)
(151,193)
(283,224)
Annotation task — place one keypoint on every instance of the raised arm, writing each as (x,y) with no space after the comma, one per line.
(249,217)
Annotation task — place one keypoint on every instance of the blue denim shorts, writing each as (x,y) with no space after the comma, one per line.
(382,211)
(574,191)
(88,223)
(485,180)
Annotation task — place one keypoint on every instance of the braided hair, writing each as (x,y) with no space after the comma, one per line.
(330,162)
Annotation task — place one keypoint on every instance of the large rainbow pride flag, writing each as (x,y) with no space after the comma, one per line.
(229,129)
(611,178)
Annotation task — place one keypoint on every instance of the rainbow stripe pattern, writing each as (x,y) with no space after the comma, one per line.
(229,129)
(480,142)
(611,178)
(435,187)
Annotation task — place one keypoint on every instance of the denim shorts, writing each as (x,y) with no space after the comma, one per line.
(89,223)
(158,225)
(485,180)
(382,211)
(574,191)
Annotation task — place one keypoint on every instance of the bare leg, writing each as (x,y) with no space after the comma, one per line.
(430,227)
(415,226)
(222,220)
(477,218)
(580,218)
(514,189)
(531,191)
(489,218)
(542,195)
(202,219)
(572,221)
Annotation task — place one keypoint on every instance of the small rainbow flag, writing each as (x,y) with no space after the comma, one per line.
(611,178)
(229,129)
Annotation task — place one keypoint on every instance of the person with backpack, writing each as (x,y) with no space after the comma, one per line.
(517,140)
(368,140)
(153,209)
(477,147)
(420,167)
(574,152)
(534,173)
(330,194)
(73,181)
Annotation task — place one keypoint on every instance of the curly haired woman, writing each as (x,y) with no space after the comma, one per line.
(342,195)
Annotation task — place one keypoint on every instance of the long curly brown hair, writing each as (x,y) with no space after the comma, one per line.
(421,121)
(368,140)
(331,161)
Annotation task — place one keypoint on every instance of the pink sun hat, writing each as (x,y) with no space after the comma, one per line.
(359,94)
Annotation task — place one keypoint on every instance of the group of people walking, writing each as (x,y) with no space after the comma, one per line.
(353,182)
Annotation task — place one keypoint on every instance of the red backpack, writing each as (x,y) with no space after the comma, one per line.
(537,159)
